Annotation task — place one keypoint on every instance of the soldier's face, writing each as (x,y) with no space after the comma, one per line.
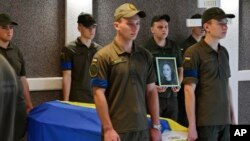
(198,31)
(216,29)
(87,32)
(128,28)
(160,29)
(6,32)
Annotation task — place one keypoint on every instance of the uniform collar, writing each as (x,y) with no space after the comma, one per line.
(10,46)
(192,39)
(152,41)
(207,47)
(120,50)
(80,44)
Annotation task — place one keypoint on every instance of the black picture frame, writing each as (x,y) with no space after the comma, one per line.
(167,73)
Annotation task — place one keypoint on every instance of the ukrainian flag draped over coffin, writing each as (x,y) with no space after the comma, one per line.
(69,121)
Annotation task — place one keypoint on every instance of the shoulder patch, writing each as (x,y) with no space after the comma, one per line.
(93,70)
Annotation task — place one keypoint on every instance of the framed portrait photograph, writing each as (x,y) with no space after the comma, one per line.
(167,72)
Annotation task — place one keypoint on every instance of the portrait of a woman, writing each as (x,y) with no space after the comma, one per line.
(167,73)
(166,78)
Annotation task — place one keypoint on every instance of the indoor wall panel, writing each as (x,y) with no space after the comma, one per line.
(40,35)
(244,61)
(244,31)
(244,98)
(178,10)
